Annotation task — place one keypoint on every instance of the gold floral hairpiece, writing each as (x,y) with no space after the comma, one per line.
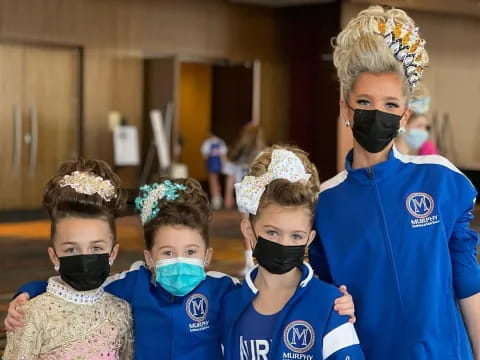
(406,45)
(89,184)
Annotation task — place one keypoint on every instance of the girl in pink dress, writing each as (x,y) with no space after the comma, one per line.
(75,319)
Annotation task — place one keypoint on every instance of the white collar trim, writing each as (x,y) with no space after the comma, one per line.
(303,283)
(58,288)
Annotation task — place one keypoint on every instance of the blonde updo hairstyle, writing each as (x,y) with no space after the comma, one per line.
(358,48)
(284,192)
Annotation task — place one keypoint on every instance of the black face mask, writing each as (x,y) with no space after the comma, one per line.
(374,129)
(276,258)
(84,272)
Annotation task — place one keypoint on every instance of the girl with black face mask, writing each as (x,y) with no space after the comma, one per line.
(75,316)
(281,310)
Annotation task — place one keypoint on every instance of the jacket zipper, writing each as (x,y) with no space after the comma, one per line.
(388,246)
(172,300)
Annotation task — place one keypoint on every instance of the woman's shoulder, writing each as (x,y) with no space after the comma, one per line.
(434,166)
(334,181)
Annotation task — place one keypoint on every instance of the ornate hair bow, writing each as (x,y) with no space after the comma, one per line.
(89,184)
(406,45)
(283,165)
(147,203)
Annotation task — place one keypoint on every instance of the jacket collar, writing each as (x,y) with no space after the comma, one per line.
(375,173)
(305,268)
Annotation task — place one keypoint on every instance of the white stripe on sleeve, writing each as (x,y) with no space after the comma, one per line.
(339,338)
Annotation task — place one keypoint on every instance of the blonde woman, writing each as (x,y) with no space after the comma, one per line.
(394,228)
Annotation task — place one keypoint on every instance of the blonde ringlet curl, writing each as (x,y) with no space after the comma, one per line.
(358,48)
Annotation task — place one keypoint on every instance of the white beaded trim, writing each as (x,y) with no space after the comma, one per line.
(71,295)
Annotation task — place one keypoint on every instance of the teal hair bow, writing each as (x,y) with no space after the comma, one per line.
(147,202)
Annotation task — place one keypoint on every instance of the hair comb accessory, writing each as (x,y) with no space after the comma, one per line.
(284,165)
(89,184)
(406,45)
(147,203)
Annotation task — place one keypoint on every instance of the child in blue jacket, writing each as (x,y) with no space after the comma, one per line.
(282,311)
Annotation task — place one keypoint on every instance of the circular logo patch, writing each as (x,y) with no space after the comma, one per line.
(420,205)
(299,336)
(197,307)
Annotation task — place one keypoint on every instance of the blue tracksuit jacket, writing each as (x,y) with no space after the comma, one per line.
(308,328)
(398,236)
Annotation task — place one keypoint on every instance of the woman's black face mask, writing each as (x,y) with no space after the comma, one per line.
(374,129)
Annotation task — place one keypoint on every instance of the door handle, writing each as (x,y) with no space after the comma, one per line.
(17,139)
(34,138)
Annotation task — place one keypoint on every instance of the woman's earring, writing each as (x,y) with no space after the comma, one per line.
(401,131)
(56,267)
(347,123)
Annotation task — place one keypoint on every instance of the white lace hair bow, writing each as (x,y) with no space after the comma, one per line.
(283,165)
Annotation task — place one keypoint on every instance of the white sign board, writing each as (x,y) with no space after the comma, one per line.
(161,139)
(125,146)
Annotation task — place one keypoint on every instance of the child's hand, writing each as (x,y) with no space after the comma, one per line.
(14,319)
(344,305)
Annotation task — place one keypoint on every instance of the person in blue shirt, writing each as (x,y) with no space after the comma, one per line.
(175,304)
(214,151)
(281,311)
(395,228)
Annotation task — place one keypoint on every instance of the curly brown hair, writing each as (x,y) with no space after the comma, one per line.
(191,209)
(64,201)
(284,192)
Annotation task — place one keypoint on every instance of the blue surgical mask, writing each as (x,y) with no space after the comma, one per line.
(415,138)
(179,275)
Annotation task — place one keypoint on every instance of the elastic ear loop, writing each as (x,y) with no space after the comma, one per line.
(254,233)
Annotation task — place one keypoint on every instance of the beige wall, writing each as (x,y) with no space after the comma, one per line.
(453,78)
(116,34)
(112,83)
